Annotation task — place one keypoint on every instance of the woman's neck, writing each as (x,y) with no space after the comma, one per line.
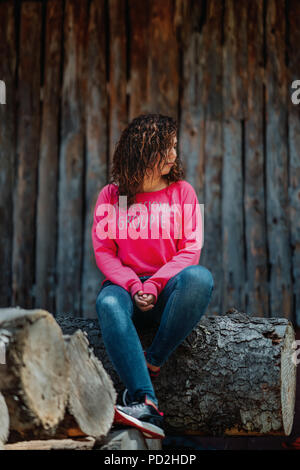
(149,186)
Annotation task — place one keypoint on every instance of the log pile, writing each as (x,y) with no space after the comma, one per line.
(52,385)
(233,375)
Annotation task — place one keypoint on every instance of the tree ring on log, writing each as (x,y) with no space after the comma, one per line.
(34,378)
(43,362)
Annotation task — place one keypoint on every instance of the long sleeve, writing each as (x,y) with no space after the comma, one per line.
(188,246)
(105,251)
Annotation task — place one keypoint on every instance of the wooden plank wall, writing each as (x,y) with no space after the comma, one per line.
(77,72)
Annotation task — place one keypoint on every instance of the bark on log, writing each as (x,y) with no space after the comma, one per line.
(33,379)
(4,420)
(232,375)
(90,408)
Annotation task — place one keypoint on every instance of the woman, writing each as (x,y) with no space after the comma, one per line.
(149,255)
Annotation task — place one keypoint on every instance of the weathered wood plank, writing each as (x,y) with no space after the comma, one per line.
(139,86)
(96,147)
(277,162)
(7,147)
(191,127)
(235,60)
(212,102)
(45,266)
(71,165)
(234,111)
(294,149)
(28,153)
(118,117)
(163,58)
(254,192)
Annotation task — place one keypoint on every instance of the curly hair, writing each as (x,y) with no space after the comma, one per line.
(137,151)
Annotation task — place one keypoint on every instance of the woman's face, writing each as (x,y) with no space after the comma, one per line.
(170,160)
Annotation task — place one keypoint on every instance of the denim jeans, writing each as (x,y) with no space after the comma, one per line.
(178,309)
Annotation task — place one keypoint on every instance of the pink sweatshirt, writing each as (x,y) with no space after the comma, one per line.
(163,235)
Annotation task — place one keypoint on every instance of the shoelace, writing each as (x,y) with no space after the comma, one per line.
(137,404)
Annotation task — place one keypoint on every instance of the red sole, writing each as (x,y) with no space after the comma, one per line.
(120,419)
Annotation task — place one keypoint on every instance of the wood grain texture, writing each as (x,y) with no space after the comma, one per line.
(34,378)
(118,117)
(92,396)
(163,58)
(46,225)
(72,155)
(191,131)
(7,147)
(254,187)
(277,162)
(234,111)
(28,132)
(213,149)
(294,149)
(96,147)
(139,85)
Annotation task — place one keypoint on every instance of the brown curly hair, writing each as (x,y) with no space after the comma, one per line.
(137,150)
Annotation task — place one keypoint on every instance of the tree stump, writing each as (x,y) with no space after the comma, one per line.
(233,375)
(90,408)
(34,378)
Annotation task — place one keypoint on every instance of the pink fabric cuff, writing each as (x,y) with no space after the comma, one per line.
(135,288)
(150,288)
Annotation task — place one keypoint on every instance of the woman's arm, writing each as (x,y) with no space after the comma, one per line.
(189,246)
(105,251)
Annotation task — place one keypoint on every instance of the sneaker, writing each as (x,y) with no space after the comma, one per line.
(125,397)
(142,415)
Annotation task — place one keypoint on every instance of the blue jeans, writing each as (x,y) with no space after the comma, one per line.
(178,309)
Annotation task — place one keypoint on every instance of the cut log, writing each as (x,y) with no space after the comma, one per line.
(34,377)
(53,444)
(233,375)
(90,408)
(4,421)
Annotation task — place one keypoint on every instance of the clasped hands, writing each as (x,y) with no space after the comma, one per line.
(144,301)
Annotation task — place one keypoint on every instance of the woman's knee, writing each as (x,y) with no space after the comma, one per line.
(112,304)
(197,276)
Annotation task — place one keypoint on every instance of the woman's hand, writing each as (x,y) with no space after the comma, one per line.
(144,302)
